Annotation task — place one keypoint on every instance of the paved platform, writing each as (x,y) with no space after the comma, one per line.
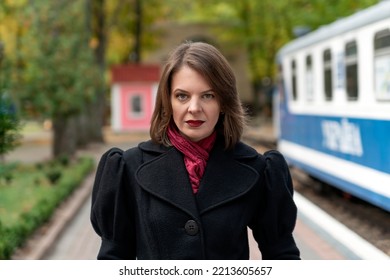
(69,235)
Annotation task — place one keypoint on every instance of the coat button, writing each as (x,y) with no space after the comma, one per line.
(191,227)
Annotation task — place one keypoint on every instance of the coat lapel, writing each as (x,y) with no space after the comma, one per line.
(166,178)
(226,178)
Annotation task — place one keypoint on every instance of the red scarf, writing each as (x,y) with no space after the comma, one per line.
(195,154)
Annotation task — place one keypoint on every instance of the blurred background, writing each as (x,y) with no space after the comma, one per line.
(67,66)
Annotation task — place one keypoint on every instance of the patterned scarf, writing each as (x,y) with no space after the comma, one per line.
(195,154)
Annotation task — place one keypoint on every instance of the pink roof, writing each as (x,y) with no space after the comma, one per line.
(135,73)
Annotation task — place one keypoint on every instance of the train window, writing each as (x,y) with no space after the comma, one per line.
(294,79)
(351,70)
(328,74)
(382,40)
(309,78)
(382,64)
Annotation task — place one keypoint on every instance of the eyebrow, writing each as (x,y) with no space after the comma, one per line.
(182,90)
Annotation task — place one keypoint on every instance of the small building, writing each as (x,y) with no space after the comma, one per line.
(133,94)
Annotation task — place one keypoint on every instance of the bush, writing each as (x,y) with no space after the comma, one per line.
(9,125)
(53,175)
(63,160)
(6,174)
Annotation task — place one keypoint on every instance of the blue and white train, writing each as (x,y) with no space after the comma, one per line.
(332,107)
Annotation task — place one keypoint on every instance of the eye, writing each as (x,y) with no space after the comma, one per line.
(208,95)
(181,96)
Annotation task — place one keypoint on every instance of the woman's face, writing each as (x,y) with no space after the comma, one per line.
(194,104)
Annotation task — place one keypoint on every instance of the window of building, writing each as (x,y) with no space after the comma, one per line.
(351,70)
(294,79)
(136,106)
(309,78)
(328,85)
(382,64)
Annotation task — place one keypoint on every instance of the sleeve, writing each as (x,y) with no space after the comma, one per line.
(274,225)
(111,209)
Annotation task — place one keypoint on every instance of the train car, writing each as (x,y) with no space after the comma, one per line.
(332,107)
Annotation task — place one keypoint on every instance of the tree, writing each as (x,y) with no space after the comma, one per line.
(9,125)
(59,76)
(265,26)
(117,36)
(9,121)
(54,73)
(91,120)
(132,30)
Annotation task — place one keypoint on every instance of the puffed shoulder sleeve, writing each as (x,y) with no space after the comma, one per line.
(111,208)
(277,216)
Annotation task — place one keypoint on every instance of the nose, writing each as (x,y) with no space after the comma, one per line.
(194,106)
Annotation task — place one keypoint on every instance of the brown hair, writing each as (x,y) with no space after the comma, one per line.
(208,61)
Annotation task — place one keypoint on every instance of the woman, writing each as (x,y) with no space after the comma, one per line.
(192,191)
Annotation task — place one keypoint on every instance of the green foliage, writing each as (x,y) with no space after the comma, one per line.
(30,199)
(53,175)
(6,173)
(52,50)
(9,126)
(121,18)
(59,76)
(263,26)
(320,12)
(9,121)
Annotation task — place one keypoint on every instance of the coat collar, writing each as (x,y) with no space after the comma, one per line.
(241,150)
(226,177)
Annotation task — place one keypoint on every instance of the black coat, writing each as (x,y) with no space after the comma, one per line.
(143,206)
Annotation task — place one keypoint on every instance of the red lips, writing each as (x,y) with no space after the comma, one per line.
(194,123)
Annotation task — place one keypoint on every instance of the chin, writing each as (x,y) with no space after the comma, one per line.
(194,137)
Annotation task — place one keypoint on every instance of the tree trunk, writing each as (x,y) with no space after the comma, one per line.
(64,136)
(95,110)
(82,125)
(137,32)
